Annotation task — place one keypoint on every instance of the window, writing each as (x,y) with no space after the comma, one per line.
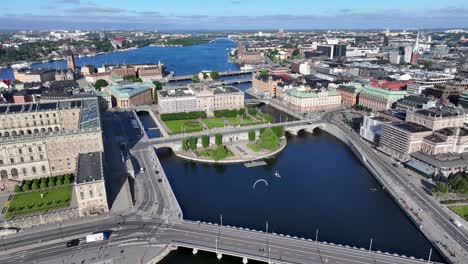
(91,194)
(30,149)
(21,159)
(31,158)
(24,171)
(12,160)
(82,195)
(39,148)
(41,157)
(43,169)
(20,151)
(34,170)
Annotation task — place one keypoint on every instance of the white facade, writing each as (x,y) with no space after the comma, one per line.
(371,128)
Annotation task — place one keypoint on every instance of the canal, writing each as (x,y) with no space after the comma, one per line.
(322,186)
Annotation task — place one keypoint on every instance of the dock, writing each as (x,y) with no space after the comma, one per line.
(255,163)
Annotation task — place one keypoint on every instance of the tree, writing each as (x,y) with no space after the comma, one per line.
(214,75)
(268,139)
(34,186)
(263,72)
(195,78)
(440,188)
(251,135)
(25,187)
(43,184)
(279,131)
(185,145)
(18,189)
(241,112)
(132,78)
(51,182)
(66,181)
(296,53)
(59,182)
(192,143)
(205,75)
(218,139)
(158,85)
(100,83)
(205,141)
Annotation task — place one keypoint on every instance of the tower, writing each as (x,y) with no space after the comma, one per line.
(415,54)
(71,62)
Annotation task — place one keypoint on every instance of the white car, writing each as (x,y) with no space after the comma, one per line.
(142,169)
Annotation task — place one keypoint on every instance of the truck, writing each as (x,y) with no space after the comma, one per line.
(101,236)
(8,231)
(455,222)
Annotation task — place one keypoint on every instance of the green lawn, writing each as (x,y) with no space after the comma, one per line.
(214,122)
(461,211)
(218,153)
(31,202)
(254,147)
(187,126)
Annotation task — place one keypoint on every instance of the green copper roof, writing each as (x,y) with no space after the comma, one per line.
(130,89)
(383,93)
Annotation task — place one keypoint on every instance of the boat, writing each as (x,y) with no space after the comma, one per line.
(277,174)
(246,67)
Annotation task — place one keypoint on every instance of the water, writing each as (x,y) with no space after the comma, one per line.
(323,186)
(181,60)
(151,129)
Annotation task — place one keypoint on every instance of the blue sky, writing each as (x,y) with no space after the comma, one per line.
(233,14)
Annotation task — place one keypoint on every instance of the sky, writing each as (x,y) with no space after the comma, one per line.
(233,14)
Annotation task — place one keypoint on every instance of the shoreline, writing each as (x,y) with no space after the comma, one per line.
(281,147)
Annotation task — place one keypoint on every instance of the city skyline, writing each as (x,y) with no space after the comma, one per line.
(232,15)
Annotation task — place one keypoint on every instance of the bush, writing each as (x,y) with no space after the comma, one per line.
(44,180)
(205,141)
(66,181)
(193,143)
(252,111)
(51,183)
(60,178)
(218,139)
(183,116)
(214,75)
(241,112)
(225,113)
(185,145)
(34,186)
(18,189)
(251,135)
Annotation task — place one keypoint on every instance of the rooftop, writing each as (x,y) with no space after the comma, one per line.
(89,168)
(177,92)
(436,112)
(301,93)
(225,90)
(411,127)
(129,90)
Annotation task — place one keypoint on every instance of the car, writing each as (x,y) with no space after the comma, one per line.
(142,169)
(73,243)
(159,180)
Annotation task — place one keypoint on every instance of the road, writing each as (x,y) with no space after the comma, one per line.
(434,214)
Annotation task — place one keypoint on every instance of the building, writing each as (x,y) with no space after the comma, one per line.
(349,94)
(42,139)
(446,140)
(247,57)
(401,139)
(415,102)
(425,81)
(151,72)
(33,75)
(332,51)
(200,98)
(71,62)
(379,99)
(436,119)
(90,188)
(371,128)
(305,99)
(123,71)
(131,94)
(300,67)
(267,84)
(87,70)
(448,91)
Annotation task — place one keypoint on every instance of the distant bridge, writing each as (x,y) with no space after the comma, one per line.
(214,40)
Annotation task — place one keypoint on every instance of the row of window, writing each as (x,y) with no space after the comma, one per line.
(28,132)
(15,173)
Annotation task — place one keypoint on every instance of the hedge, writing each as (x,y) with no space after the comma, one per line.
(226,113)
(183,116)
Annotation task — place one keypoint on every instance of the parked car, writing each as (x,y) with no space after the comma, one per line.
(73,243)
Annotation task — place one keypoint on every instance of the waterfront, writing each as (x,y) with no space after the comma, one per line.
(322,186)
(181,60)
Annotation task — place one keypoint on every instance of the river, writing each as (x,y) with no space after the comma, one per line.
(323,186)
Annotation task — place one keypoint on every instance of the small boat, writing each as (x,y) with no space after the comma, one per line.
(373,189)
(277,174)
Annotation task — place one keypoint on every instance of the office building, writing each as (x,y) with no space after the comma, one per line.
(379,99)
(127,95)
(33,75)
(436,119)
(306,99)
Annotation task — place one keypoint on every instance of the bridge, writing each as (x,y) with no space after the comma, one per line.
(269,247)
(214,40)
(230,134)
(221,74)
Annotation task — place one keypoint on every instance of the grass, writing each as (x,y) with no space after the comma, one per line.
(31,202)
(214,122)
(218,153)
(254,147)
(461,211)
(187,126)
(243,122)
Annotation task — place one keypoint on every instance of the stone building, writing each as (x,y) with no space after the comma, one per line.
(42,139)
(306,99)
(31,76)
(436,119)
(130,95)
(379,99)
(90,188)
(349,94)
